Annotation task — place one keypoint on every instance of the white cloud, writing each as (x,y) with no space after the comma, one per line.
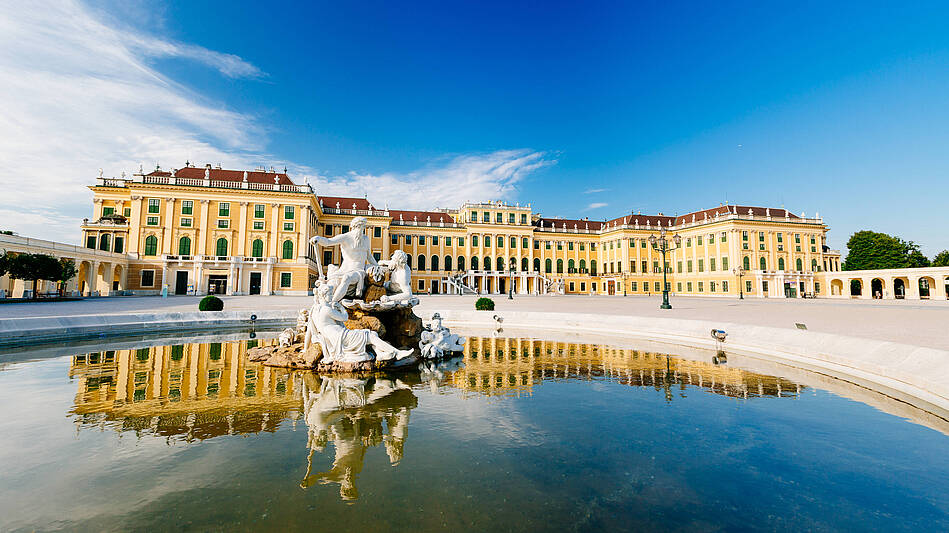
(476,177)
(79,95)
(596,205)
(594,191)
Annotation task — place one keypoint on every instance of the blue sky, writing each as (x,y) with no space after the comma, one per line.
(584,109)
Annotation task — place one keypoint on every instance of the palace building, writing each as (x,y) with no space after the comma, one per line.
(196,230)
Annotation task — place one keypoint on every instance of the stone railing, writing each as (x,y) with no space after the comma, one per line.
(355,212)
(561,229)
(426,223)
(192,182)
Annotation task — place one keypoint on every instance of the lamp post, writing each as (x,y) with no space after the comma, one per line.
(662,244)
(510,291)
(623,278)
(740,272)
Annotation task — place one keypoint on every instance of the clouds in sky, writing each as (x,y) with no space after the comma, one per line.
(594,191)
(80,93)
(596,205)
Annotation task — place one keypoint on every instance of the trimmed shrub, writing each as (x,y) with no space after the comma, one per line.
(484,304)
(211,303)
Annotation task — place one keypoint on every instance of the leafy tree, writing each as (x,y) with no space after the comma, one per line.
(4,262)
(67,271)
(34,267)
(869,250)
(941,259)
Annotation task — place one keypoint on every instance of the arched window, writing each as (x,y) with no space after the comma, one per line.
(151,245)
(548,266)
(570,266)
(500,264)
(593,267)
(257,248)
(221,247)
(448,263)
(780,263)
(184,246)
(746,263)
(474,262)
(560,266)
(583,265)
(487,263)
(523,264)
(408,260)
(764,264)
(434,262)
(814,265)
(288,249)
(536,265)
(104,242)
(461,262)
(800,264)
(421,262)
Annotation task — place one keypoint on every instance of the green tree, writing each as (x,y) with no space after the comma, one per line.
(870,250)
(67,271)
(4,262)
(941,259)
(34,267)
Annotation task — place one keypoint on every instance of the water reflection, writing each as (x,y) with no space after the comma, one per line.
(190,392)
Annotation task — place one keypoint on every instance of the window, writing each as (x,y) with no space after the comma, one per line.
(724,286)
(127,212)
(632,266)
(447,241)
(288,212)
(678,267)
(91,241)
(571,287)
(510,218)
(780,263)
(259,211)
(224,209)
(288,249)
(560,245)
(593,267)
(560,266)
(642,243)
(548,266)
(377,231)
(698,240)
(448,263)
(434,240)
(327,230)
(513,242)
(257,248)
(747,286)
(655,267)
(420,265)
(547,245)
(285,279)
(688,266)
(184,246)
(151,245)
(288,226)
(151,221)
(633,287)
(474,216)
(583,286)
(421,240)
(434,262)
(679,287)
(644,267)
(104,242)
(524,242)
(148,278)
(723,239)
(394,238)
(701,265)
(724,263)
(523,219)
(499,218)
(656,286)
(537,245)
(474,241)
(185,222)
(701,286)
(421,284)
(711,286)
(780,237)
(486,217)
(711,264)
(688,242)
(800,264)
(461,241)
(221,247)
(764,264)
(582,246)
(153,205)
(746,263)
(500,242)
(570,245)
(223,223)
(187,207)
(688,286)
(106,211)
(486,263)
(408,240)
(570,266)
(258,224)
(119,248)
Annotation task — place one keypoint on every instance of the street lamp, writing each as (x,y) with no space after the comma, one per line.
(663,245)
(739,272)
(510,292)
(624,284)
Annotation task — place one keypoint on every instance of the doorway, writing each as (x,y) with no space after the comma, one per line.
(217,284)
(502,285)
(610,288)
(181,282)
(254,283)
(764,289)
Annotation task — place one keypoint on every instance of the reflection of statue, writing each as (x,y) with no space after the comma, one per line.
(346,345)
(354,246)
(400,277)
(350,413)
(437,341)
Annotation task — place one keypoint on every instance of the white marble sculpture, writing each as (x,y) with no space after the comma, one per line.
(437,341)
(350,276)
(287,337)
(341,344)
(400,277)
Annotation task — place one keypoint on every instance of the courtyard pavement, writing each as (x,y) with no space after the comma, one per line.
(910,322)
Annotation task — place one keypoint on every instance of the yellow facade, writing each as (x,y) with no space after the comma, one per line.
(246,237)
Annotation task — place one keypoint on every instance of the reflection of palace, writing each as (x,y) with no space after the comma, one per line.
(513,366)
(354,414)
(198,391)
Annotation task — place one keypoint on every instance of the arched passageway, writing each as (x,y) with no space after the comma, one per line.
(926,286)
(856,287)
(876,288)
(836,287)
(899,288)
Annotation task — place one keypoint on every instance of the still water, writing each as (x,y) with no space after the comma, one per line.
(516,435)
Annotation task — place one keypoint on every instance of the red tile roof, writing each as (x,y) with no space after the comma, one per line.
(421,216)
(558,223)
(642,220)
(345,202)
(655,220)
(255,176)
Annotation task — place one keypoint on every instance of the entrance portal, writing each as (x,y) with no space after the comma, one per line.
(254,283)
(217,284)
(611,288)
(181,282)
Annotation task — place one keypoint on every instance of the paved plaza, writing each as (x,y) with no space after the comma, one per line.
(917,323)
